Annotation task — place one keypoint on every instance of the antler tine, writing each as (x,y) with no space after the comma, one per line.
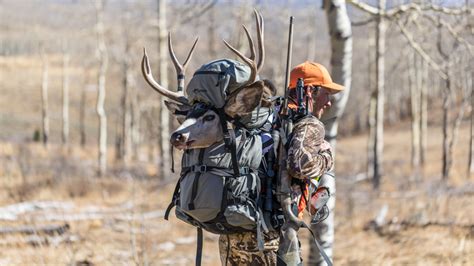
(250,61)
(180,69)
(177,65)
(190,54)
(260,39)
(146,70)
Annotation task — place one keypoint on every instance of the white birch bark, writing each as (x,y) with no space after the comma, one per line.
(379,94)
(340,33)
(44,101)
(103,64)
(341,62)
(446,151)
(164,147)
(65,94)
(470,168)
(415,111)
(371,116)
(126,145)
(424,113)
(82,113)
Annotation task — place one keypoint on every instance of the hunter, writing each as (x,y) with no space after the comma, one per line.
(316,79)
(242,248)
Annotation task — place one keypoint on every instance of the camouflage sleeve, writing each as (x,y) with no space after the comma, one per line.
(323,162)
(306,160)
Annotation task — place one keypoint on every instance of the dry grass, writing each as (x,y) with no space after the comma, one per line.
(29,172)
(110,241)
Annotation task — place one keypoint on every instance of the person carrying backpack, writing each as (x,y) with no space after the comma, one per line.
(309,157)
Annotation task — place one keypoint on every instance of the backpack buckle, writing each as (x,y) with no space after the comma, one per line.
(244,170)
(199,168)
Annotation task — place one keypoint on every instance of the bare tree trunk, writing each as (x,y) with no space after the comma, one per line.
(371,139)
(470,168)
(126,145)
(243,16)
(103,59)
(371,116)
(164,147)
(135,124)
(415,113)
(341,62)
(379,94)
(65,129)
(424,113)
(211,32)
(82,111)
(339,28)
(44,100)
(446,151)
(311,38)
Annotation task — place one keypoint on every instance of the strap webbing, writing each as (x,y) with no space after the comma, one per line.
(199,246)
(229,139)
(321,250)
(196,181)
(173,200)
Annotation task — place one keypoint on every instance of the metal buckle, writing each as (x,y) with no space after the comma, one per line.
(199,168)
(220,226)
(244,170)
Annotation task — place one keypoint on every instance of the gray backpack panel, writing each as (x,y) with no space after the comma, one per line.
(219,196)
(214,81)
(249,151)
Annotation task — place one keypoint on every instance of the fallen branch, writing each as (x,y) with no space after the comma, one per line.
(84,216)
(395,226)
(11,212)
(36,241)
(46,229)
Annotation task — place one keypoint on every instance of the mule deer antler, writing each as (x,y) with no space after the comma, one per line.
(146,70)
(180,69)
(255,67)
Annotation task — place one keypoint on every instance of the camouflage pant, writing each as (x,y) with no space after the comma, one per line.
(242,249)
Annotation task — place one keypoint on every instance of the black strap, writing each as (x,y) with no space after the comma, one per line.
(229,139)
(199,246)
(321,250)
(172,158)
(173,200)
(196,181)
(244,170)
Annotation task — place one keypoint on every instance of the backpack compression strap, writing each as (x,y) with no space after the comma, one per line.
(321,250)
(229,139)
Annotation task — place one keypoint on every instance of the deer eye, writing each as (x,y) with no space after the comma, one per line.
(208,117)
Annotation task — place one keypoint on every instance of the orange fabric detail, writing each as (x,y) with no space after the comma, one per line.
(302,204)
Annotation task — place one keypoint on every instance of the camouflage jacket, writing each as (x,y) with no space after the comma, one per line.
(306,159)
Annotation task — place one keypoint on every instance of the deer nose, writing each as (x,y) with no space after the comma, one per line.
(177,137)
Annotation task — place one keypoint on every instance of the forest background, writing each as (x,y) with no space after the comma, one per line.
(65,198)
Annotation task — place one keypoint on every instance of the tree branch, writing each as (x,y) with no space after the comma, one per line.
(362,23)
(194,15)
(364,7)
(441,22)
(404,8)
(421,52)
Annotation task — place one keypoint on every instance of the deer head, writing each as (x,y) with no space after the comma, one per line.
(201,123)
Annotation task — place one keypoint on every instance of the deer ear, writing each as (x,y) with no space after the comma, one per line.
(245,100)
(178,110)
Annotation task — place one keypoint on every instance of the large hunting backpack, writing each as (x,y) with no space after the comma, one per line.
(219,186)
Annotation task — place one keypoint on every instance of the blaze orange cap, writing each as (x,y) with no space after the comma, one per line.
(314,74)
